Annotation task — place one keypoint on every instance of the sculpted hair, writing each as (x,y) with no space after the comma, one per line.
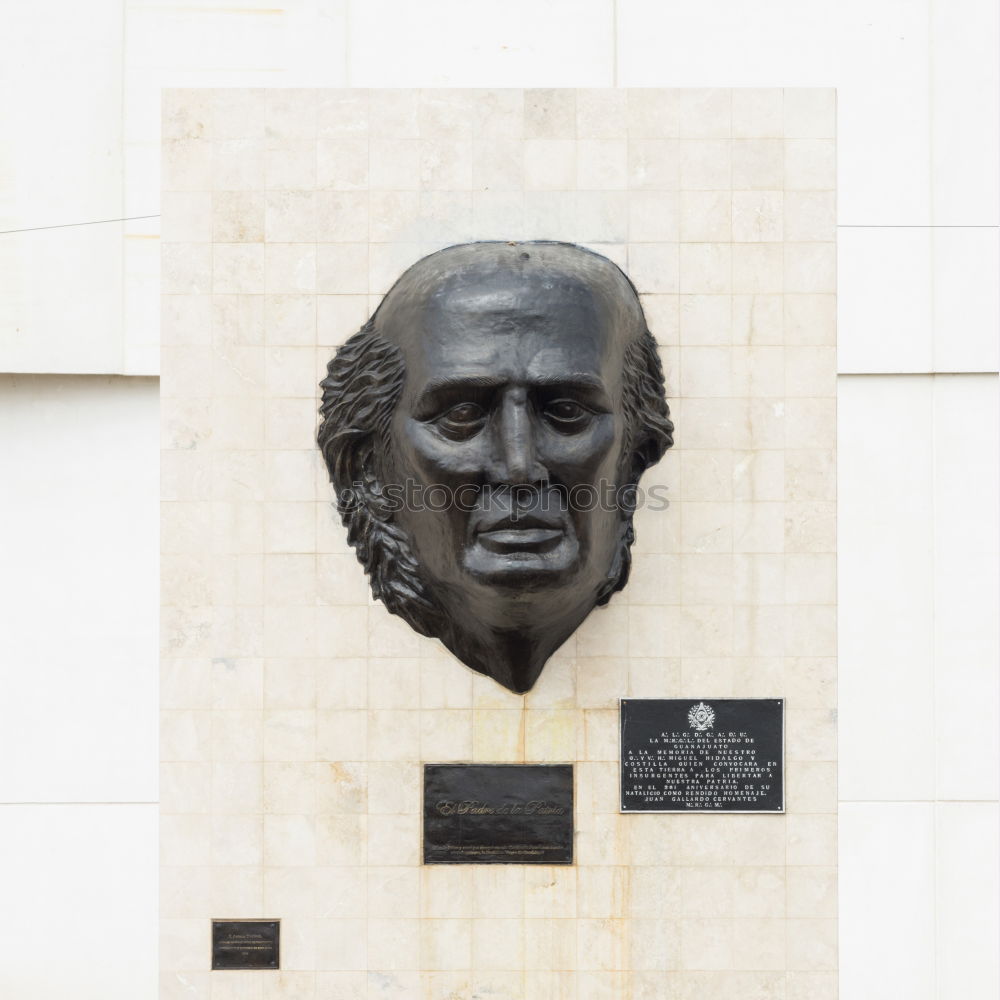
(362,386)
(363,382)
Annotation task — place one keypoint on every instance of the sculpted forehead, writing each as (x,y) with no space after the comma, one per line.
(487,289)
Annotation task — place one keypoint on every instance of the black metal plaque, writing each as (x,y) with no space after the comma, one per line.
(493,814)
(245,944)
(702,755)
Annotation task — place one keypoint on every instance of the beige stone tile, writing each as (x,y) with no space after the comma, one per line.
(811,986)
(653,113)
(556,688)
(393,943)
(497,165)
(758,164)
(654,677)
(706,944)
(549,735)
(810,164)
(498,891)
(289,986)
(289,840)
(394,683)
(550,944)
(602,840)
(602,114)
(341,112)
(289,735)
(758,320)
(663,317)
(289,787)
(341,684)
(498,944)
(655,946)
(812,944)
(759,943)
(550,114)
(654,164)
(394,788)
(393,840)
(445,944)
(550,164)
(603,892)
(810,267)
(341,944)
(549,985)
(601,164)
(602,945)
(184,892)
(443,985)
(446,735)
(601,680)
(705,269)
(392,892)
(498,735)
(812,892)
(706,164)
(550,891)
(705,216)
(758,113)
(341,840)
(341,268)
(759,893)
(338,317)
(341,788)
(349,985)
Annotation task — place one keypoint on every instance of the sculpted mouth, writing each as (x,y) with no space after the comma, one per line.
(520,539)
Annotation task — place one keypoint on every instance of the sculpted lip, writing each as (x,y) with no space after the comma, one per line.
(520,539)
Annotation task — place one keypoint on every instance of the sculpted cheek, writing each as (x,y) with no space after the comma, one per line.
(433,458)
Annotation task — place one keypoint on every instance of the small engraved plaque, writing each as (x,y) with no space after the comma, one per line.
(702,755)
(493,814)
(245,944)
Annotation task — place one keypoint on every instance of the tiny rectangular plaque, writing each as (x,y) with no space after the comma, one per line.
(702,755)
(245,944)
(493,814)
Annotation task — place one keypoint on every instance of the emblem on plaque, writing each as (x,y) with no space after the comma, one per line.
(701,717)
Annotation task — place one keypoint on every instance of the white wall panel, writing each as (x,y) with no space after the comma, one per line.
(965,112)
(886,633)
(966,268)
(60,117)
(966,656)
(60,300)
(447,43)
(887,900)
(967,887)
(884,317)
(79,902)
(78,589)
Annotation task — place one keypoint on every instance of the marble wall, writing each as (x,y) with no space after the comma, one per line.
(296,713)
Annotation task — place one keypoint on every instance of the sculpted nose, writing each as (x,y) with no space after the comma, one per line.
(517,458)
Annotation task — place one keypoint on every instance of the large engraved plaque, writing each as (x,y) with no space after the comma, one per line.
(245,944)
(498,814)
(702,755)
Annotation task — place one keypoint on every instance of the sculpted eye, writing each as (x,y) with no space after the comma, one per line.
(567,415)
(462,421)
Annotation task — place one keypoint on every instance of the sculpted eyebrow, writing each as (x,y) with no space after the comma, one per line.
(581,380)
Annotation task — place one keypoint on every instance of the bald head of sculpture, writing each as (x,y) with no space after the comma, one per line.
(485,432)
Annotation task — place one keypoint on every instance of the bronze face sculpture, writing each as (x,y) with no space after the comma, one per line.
(485,432)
